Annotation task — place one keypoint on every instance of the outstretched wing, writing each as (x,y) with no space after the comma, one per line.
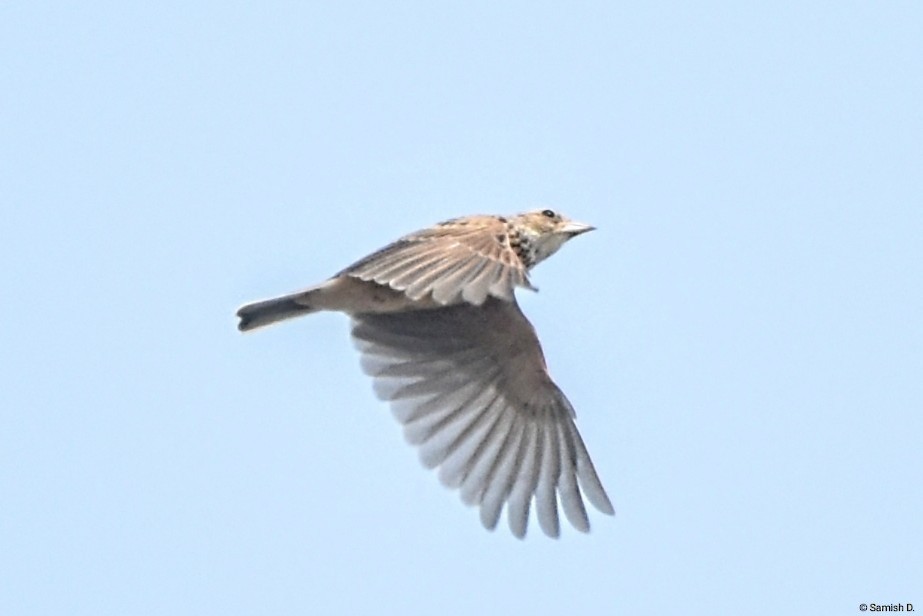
(461,260)
(470,387)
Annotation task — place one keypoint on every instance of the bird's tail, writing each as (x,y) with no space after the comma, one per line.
(267,312)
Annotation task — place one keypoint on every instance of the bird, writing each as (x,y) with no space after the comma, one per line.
(436,321)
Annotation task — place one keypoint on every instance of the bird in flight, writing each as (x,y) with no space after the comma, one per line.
(435,318)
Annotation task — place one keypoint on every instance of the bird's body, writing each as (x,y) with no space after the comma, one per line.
(436,319)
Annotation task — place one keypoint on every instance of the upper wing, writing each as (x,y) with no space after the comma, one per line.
(470,386)
(461,260)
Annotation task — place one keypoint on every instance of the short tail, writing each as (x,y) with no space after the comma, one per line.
(267,312)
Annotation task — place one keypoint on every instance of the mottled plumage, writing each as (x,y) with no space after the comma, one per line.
(436,320)
(465,259)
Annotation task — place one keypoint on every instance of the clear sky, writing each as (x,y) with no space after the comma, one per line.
(742,337)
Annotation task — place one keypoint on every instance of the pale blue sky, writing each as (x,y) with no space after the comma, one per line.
(742,338)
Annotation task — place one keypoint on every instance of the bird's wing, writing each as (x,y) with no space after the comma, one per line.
(464,260)
(470,386)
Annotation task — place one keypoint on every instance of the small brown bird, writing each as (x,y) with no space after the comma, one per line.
(436,320)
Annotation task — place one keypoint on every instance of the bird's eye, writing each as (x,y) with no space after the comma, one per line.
(549,213)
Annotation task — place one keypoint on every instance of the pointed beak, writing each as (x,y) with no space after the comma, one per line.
(572,228)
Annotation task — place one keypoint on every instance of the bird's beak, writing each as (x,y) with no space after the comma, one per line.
(572,228)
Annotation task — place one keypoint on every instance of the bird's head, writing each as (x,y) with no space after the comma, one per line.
(545,231)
